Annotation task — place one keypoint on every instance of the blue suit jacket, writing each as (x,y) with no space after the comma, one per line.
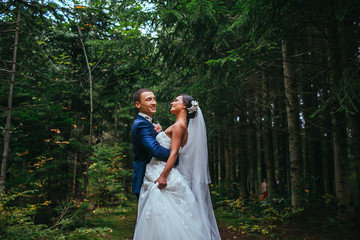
(145,147)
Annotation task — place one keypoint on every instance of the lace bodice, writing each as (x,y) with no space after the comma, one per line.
(163,140)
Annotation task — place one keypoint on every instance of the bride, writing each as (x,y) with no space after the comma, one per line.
(175,203)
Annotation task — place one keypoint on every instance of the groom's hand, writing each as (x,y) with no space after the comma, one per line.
(157,128)
(162,182)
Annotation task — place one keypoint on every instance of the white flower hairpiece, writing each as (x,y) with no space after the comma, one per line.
(194,107)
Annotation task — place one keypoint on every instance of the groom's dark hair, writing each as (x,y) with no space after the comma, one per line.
(137,94)
(187,102)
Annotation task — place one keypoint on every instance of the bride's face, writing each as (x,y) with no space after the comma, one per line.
(177,105)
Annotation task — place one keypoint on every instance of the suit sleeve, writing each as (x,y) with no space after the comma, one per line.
(152,146)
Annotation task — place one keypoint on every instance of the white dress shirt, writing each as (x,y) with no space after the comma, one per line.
(146,117)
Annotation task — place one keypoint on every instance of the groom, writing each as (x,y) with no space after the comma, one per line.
(144,134)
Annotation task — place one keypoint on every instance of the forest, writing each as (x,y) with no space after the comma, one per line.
(278,83)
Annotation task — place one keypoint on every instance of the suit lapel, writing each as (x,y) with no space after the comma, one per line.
(141,118)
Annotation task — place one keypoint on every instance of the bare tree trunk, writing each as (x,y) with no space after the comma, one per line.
(355,137)
(74,177)
(311,146)
(243,161)
(216,161)
(91,110)
(226,141)
(312,150)
(341,165)
(237,157)
(233,144)
(222,168)
(8,113)
(267,136)
(296,164)
(279,141)
(349,47)
(230,159)
(276,151)
(341,161)
(259,157)
(251,158)
(328,156)
(211,159)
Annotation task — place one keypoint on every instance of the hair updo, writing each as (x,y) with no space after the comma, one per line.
(187,102)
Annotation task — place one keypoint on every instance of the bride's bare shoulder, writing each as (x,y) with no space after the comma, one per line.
(179,126)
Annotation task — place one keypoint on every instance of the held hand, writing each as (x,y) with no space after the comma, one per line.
(162,182)
(158,128)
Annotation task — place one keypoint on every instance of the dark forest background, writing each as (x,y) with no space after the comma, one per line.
(277,81)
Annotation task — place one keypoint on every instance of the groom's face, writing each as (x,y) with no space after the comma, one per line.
(147,103)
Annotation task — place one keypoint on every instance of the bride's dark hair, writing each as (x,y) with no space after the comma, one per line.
(187,102)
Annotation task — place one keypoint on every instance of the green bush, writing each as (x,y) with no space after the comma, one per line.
(252,216)
(17,221)
(107,174)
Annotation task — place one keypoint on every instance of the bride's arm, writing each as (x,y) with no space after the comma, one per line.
(177,135)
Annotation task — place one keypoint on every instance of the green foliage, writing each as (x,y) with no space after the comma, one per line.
(19,213)
(71,215)
(253,216)
(17,220)
(120,219)
(257,217)
(88,233)
(107,174)
(50,116)
(212,50)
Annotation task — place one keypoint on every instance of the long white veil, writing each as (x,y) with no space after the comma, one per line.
(194,166)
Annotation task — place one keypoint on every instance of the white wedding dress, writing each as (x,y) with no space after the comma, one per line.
(171,213)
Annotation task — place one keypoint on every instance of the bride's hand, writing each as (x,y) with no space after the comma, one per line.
(162,182)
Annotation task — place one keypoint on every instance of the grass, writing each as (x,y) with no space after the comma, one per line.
(319,224)
(121,220)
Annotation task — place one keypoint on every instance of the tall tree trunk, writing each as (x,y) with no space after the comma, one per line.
(341,162)
(232,153)
(312,146)
(237,158)
(259,157)
(328,155)
(9,108)
(267,136)
(74,175)
(355,137)
(341,165)
(216,161)
(313,151)
(221,156)
(251,158)
(91,110)
(349,40)
(279,141)
(296,163)
(227,151)
(288,165)
(276,149)
(243,160)
(234,158)
(211,159)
